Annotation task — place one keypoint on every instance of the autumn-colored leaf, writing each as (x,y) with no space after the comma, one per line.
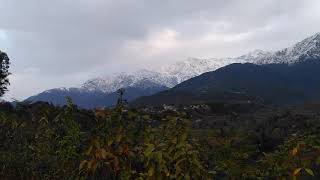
(103,153)
(116,165)
(295,151)
(125,150)
(296,171)
(82,164)
(151,171)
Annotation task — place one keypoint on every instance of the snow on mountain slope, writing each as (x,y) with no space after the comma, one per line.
(192,67)
(252,57)
(168,75)
(124,80)
(173,74)
(308,48)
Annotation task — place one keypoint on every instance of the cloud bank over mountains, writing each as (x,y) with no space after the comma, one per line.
(63,43)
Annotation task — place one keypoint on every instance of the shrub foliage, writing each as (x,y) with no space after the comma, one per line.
(41,141)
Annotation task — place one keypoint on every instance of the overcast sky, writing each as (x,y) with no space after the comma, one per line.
(56,43)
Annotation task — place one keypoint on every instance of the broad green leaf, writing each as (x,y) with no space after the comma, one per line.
(109,142)
(178,155)
(318,161)
(146,117)
(180,161)
(148,151)
(118,138)
(309,171)
(184,136)
(88,152)
(96,143)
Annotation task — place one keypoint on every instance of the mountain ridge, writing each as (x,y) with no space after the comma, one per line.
(168,76)
(272,84)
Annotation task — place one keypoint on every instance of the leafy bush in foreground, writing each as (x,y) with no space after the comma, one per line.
(121,144)
(41,141)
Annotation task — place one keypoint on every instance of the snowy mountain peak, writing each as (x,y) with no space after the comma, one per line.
(307,48)
(253,56)
(173,74)
(124,80)
(191,67)
(64,89)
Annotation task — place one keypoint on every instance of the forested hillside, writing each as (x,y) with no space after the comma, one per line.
(273,84)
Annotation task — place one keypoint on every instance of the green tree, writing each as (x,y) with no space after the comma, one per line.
(4,72)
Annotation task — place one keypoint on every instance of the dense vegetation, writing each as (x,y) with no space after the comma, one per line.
(4,72)
(42,141)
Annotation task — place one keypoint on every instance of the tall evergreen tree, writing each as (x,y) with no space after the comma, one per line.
(4,72)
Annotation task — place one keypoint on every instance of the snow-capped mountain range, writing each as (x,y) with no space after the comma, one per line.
(308,48)
(142,78)
(173,74)
(167,75)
